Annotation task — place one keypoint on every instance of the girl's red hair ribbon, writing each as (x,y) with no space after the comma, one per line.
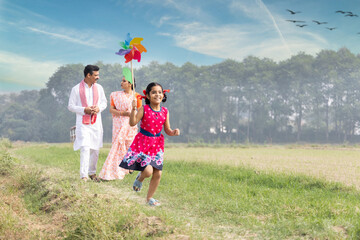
(141,97)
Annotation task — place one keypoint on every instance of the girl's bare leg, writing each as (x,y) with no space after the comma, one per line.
(127,145)
(148,171)
(154,183)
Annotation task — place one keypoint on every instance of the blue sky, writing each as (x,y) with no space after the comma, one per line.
(38,36)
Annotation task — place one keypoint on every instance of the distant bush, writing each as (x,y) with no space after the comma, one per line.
(5,143)
(6,163)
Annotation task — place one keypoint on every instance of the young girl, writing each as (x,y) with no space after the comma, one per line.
(146,152)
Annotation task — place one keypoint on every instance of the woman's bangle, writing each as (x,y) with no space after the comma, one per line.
(134,108)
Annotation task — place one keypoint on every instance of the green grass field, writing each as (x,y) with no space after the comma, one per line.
(241,192)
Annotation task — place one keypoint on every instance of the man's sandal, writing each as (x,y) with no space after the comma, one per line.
(137,184)
(95,178)
(153,202)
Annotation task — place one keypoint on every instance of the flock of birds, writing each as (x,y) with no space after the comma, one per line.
(301,24)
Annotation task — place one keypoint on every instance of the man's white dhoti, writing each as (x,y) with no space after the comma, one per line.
(88,161)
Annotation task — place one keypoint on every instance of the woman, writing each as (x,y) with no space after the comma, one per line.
(122,133)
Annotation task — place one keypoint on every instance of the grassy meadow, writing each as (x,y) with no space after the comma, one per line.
(207,192)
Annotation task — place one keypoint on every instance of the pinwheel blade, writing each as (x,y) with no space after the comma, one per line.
(140,47)
(137,55)
(123,45)
(128,39)
(123,52)
(127,74)
(136,40)
(128,57)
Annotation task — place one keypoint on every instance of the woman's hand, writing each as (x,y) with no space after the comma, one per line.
(116,113)
(125,114)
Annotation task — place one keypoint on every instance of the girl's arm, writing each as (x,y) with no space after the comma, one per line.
(168,130)
(135,117)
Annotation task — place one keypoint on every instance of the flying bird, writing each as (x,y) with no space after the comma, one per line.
(339,11)
(303,25)
(295,21)
(351,15)
(331,28)
(292,12)
(317,22)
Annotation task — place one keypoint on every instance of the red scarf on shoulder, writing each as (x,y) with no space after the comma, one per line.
(87,118)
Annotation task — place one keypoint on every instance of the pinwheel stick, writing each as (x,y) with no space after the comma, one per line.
(132,76)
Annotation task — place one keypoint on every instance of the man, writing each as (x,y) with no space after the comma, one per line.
(87,100)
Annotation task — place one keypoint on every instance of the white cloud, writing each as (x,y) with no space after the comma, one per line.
(238,41)
(186,7)
(165,34)
(85,38)
(163,20)
(20,12)
(26,20)
(267,35)
(247,7)
(175,10)
(275,25)
(25,71)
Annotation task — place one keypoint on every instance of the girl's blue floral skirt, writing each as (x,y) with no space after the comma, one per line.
(138,161)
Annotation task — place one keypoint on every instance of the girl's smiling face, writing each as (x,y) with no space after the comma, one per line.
(156,95)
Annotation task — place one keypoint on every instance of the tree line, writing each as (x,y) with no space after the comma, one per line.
(302,99)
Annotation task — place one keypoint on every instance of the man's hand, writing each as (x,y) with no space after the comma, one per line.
(87,110)
(94,109)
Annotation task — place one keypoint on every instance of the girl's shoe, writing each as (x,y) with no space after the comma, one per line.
(137,184)
(153,202)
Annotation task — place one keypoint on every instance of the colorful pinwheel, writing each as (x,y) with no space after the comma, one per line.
(131,48)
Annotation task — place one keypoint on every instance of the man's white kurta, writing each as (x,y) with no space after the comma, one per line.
(87,135)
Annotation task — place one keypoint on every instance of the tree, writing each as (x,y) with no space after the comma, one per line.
(300,74)
(21,120)
(257,100)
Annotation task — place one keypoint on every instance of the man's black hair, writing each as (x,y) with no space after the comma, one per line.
(90,69)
